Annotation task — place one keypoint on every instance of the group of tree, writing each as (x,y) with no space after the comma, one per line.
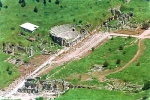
(22,2)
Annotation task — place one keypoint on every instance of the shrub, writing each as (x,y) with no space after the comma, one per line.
(105,64)
(7,69)
(9,72)
(118,61)
(12,28)
(138,64)
(80,21)
(124,52)
(38,0)
(121,47)
(93,48)
(35,9)
(146,85)
(6,6)
(57,2)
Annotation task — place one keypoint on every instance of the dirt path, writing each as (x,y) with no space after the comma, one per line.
(141,47)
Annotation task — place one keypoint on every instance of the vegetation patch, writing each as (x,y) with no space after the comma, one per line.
(91,94)
(137,72)
(7,72)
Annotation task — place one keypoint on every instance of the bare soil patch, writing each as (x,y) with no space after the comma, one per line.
(137,31)
(34,62)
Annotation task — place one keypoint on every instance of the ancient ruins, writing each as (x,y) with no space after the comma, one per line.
(67,35)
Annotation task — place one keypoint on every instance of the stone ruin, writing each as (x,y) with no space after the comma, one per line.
(53,87)
(12,49)
(123,20)
(97,68)
(67,35)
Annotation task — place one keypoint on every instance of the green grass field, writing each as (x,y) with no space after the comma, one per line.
(67,11)
(107,52)
(7,75)
(137,74)
(140,9)
(89,94)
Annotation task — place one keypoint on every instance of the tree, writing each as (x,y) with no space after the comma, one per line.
(9,72)
(1,5)
(121,47)
(118,61)
(35,9)
(7,69)
(38,0)
(138,64)
(93,48)
(105,64)
(57,2)
(23,4)
(146,85)
(49,0)
(20,1)
(6,6)
(44,2)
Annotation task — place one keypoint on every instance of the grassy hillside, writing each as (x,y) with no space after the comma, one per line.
(51,14)
(137,74)
(7,72)
(87,94)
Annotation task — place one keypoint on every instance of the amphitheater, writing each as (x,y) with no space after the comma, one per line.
(66,35)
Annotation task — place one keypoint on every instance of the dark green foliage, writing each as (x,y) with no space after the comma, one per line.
(35,9)
(1,5)
(80,21)
(124,52)
(138,64)
(118,61)
(7,69)
(93,49)
(12,28)
(22,2)
(57,2)
(121,47)
(44,2)
(49,0)
(105,64)
(38,0)
(6,6)
(146,85)
(109,49)
(9,72)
